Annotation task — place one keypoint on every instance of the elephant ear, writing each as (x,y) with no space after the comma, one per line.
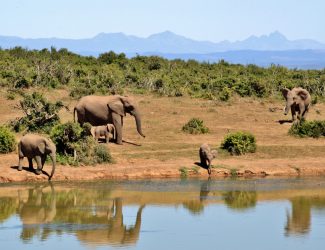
(41,147)
(109,127)
(285,92)
(303,94)
(117,107)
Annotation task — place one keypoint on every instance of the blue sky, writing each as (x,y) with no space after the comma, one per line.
(212,20)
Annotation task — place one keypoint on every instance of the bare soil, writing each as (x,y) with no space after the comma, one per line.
(168,152)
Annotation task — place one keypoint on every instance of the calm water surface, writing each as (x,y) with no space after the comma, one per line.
(168,214)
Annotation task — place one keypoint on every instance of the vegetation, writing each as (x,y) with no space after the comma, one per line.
(7,140)
(195,126)
(239,143)
(305,128)
(240,200)
(112,73)
(75,146)
(7,208)
(40,114)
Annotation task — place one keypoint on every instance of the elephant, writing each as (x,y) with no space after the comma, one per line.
(37,147)
(298,100)
(206,156)
(104,130)
(101,110)
(117,233)
(37,210)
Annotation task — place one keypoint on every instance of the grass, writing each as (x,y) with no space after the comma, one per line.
(233,172)
(183,171)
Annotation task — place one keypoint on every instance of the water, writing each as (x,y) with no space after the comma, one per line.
(167,214)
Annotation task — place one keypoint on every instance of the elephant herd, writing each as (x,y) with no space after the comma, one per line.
(106,113)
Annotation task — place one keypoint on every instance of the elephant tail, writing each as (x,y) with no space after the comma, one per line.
(74,114)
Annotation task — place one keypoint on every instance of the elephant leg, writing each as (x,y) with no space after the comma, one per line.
(203,163)
(43,158)
(304,114)
(107,138)
(20,163)
(21,158)
(302,111)
(117,121)
(30,163)
(293,112)
(209,166)
(39,164)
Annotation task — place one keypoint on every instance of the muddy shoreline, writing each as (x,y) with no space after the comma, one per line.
(143,169)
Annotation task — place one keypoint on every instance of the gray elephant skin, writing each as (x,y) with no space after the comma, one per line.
(298,101)
(105,130)
(101,110)
(37,147)
(206,156)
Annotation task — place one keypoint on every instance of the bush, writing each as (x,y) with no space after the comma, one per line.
(195,126)
(225,94)
(65,136)
(239,143)
(7,140)
(102,154)
(40,115)
(75,146)
(313,129)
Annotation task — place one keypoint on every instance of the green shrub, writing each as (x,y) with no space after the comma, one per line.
(313,129)
(102,154)
(65,136)
(40,115)
(7,140)
(239,143)
(195,126)
(225,94)
(75,146)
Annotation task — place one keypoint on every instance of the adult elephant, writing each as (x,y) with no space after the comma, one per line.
(298,101)
(101,110)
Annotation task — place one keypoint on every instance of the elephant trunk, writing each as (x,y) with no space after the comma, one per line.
(137,118)
(53,159)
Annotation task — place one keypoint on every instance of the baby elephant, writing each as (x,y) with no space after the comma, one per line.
(206,156)
(37,147)
(104,130)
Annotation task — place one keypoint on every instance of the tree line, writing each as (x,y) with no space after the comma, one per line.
(112,73)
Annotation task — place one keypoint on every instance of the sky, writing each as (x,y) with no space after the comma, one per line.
(211,20)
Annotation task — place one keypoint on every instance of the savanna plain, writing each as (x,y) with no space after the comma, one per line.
(169,152)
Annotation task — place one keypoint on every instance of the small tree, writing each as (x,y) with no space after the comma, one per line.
(195,126)
(40,114)
(239,143)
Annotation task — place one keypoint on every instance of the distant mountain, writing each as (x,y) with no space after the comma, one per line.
(262,50)
(165,42)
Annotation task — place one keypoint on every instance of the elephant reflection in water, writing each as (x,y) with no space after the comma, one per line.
(116,233)
(40,208)
(196,207)
(299,222)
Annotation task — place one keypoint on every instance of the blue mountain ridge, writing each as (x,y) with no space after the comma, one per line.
(263,50)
